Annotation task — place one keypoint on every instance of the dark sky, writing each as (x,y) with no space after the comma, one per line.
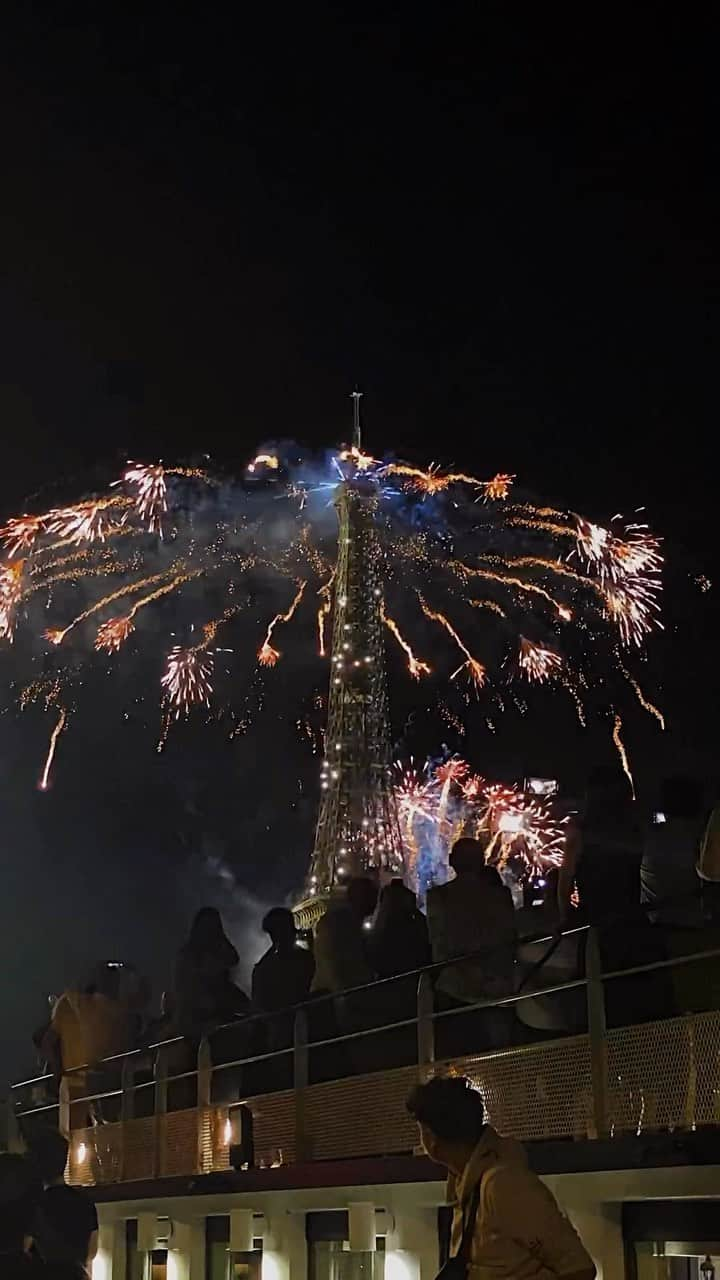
(212,227)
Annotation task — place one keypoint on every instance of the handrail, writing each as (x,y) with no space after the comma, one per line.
(426,972)
(312,1002)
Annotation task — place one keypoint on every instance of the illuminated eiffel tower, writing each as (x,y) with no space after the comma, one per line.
(357,828)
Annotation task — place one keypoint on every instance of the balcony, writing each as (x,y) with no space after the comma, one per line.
(607,1065)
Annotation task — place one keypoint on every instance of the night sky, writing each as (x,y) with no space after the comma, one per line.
(211,229)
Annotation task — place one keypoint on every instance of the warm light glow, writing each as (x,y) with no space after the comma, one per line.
(264,460)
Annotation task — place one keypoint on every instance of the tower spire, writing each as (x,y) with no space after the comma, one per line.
(357,829)
(355,397)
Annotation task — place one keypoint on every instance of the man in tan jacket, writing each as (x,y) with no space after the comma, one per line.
(519,1231)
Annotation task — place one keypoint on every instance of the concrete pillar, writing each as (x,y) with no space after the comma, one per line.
(110,1260)
(179,1251)
(197,1249)
(600,1229)
(412,1245)
(651,1265)
(287,1236)
(102,1267)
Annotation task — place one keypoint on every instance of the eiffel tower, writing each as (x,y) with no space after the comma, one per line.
(357,829)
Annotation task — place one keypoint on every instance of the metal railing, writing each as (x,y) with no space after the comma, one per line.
(336,1087)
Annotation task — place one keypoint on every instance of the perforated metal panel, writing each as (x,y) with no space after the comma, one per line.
(138,1148)
(181,1138)
(664,1075)
(659,1075)
(361,1116)
(539,1091)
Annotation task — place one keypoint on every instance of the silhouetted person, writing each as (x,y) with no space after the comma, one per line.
(66,1225)
(342,958)
(280,980)
(668,873)
(282,977)
(399,938)
(205,994)
(342,961)
(399,943)
(473,912)
(19,1192)
(603,854)
(604,850)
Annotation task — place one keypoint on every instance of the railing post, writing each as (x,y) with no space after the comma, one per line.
(204,1088)
(596,1032)
(425,1022)
(127,1099)
(64,1107)
(204,1074)
(300,1080)
(161,1101)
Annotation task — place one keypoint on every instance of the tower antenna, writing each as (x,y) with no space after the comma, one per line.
(355,397)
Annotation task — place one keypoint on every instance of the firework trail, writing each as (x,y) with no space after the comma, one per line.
(268,656)
(44,782)
(475,668)
(561,595)
(622,752)
(415,666)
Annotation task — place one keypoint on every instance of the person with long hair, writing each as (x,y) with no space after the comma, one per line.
(205,993)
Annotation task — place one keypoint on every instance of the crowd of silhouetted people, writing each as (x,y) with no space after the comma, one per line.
(649,890)
(641,883)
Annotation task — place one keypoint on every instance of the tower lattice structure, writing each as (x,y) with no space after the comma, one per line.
(357,828)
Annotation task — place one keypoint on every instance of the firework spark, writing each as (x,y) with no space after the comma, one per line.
(618,558)
(267,655)
(432,481)
(538,663)
(151,496)
(632,607)
(10,594)
(21,533)
(521,834)
(112,634)
(534,567)
(187,681)
(497,489)
(361,461)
